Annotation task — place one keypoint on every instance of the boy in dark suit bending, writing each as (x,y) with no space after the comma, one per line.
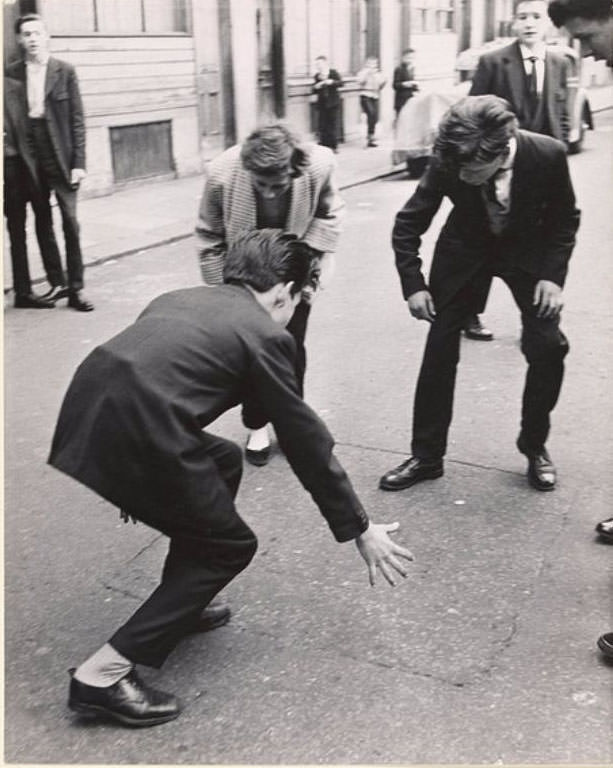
(131,429)
(513,216)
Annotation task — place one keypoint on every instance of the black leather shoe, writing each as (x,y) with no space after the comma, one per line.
(258,458)
(411,471)
(541,469)
(605,643)
(605,530)
(474,329)
(213,617)
(129,701)
(56,293)
(76,301)
(32,301)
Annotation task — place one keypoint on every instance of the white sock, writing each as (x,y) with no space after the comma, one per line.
(258,439)
(103,668)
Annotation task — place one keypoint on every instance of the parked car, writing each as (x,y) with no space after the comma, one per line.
(418,120)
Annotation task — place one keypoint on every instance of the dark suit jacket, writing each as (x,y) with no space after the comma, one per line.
(328,96)
(130,424)
(15,124)
(541,229)
(63,110)
(402,94)
(502,73)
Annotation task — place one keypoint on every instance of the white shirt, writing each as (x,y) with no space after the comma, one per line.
(539,52)
(504,177)
(36,72)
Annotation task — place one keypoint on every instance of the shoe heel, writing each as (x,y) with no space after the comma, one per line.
(83,710)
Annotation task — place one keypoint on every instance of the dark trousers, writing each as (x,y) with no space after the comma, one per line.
(252,413)
(370,107)
(52,178)
(19,189)
(327,127)
(207,550)
(543,345)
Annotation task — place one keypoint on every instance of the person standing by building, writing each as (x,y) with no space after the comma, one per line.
(131,429)
(371,81)
(271,180)
(56,132)
(404,83)
(533,79)
(513,216)
(21,187)
(326,85)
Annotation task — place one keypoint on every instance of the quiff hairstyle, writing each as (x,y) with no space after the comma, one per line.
(24,20)
(560,11)
(272,149)
(477,128)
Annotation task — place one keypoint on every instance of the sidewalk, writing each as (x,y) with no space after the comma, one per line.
(157,212)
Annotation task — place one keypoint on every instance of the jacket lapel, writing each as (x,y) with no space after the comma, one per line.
(296,223)
(516,78)
(552,76)
(51,75)
(520,179)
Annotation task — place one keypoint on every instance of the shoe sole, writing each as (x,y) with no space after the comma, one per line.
(475,337)
(605,648)
(606,537)
(94,711)
(256,461)
(209,626)
(431,476)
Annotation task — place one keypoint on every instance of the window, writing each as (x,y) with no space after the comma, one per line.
(121,17)
(434,16)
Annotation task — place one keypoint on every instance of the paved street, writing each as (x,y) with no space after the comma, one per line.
(485,654)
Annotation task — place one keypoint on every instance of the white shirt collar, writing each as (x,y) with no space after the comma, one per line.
(41,62)
(538,51)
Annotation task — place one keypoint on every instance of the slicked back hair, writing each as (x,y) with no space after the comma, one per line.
(560,11)
(477,128)
(24,20)
(261,258)
(272,149)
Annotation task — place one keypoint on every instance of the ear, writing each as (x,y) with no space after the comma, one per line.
(282,293)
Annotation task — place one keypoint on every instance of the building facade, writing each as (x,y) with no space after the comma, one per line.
(167,84)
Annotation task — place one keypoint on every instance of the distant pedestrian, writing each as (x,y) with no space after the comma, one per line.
(404,82)
(20,188)
(131,429)
(327,81)
(533,79)
(513,216)
(371,81)
(271,180)
(56,132)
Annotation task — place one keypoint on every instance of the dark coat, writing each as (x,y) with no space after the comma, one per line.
(328,96)
(502,73)
(63,111)
(539,238)
(130,427)
(402,94)
(15,125)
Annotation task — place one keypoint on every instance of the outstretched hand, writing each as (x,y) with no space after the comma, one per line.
(379,551)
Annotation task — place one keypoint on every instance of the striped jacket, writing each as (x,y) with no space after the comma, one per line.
(228,207)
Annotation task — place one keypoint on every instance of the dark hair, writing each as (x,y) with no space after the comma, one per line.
(560,11)
(518,2)
(408,50)
(321,58)
(24,19)
(262,258)
(476,128)
(272,149)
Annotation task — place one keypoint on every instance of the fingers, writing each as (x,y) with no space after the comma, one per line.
(372,573)
(391,527)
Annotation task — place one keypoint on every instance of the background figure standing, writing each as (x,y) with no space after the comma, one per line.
(371,80)
(56,132)
(270,181)
(20,187)
(326,85)
(404,83)
(532,78)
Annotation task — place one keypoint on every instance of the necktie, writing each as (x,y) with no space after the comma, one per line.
(532,86)
(497,213)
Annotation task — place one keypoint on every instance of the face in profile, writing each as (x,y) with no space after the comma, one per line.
(477,172)
(595,36)
(531,22)
(284,305)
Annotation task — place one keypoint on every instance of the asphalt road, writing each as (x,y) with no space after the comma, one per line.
(485,654)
